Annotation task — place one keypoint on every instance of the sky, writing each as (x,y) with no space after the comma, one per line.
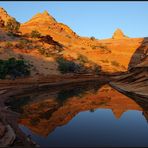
(98,19)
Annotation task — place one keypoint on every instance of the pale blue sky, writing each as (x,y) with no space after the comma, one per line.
(99,19)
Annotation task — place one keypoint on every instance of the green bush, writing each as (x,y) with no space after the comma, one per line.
(104,48)
(8,45)
(92,38)
(45,51)
(48,52)
(35,34)
(66,66)
(13,68)
(24,44)
(41,50)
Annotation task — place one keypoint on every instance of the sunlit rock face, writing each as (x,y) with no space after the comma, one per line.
(118,34)
(51,111)
(5,16)
(135,81)
(47,25)
(112,54)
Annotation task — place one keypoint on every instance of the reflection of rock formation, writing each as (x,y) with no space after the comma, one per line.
(118,113)
(44,115)
(145,114)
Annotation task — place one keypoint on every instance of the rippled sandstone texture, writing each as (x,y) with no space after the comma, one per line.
(135,81)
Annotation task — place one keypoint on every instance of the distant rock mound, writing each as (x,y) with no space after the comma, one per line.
(45,16)
(118,34)
(47,25)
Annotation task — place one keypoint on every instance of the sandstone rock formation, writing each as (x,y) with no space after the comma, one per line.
(135,81)
(113,55)
(2,130)
(102,52)
(39,17)
(7,135)
(47,25)
(5,16)
(118,34)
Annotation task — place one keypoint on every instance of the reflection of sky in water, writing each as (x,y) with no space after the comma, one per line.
(98,128)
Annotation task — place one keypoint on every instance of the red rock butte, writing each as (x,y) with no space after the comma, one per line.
(118,34)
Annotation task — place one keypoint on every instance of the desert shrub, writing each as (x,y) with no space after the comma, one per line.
(14,68)
(45,51)
(102,48)
(10,34)
(66,66)
(41,50)
(92,38)
(35,34)
(105,48)
(58,48)
(8,45)
(21,44)
(24,44)
(115,63)
(52,51)
(12,26)
(94,68)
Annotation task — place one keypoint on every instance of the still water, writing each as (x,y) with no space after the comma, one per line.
(87,115)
